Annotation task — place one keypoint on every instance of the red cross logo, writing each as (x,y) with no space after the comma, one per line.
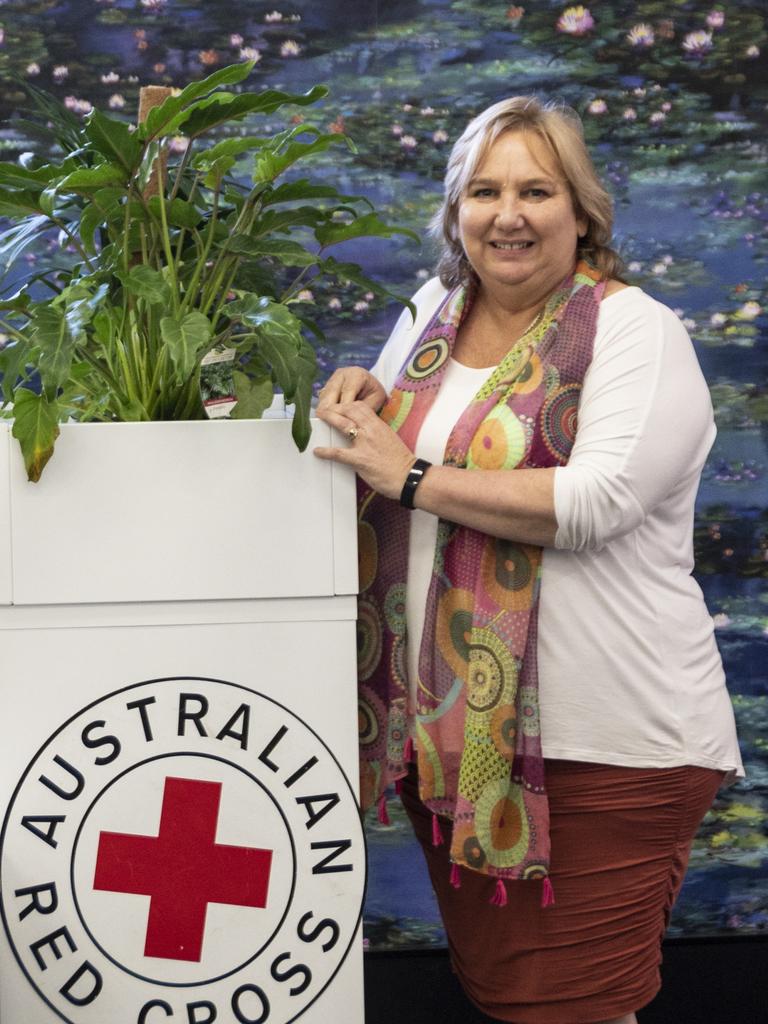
(182,869)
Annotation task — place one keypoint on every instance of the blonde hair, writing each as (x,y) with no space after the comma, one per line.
(559,128)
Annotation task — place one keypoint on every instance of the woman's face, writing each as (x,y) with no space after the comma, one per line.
(516,219)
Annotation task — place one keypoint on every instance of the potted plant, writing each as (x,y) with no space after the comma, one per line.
(172,258)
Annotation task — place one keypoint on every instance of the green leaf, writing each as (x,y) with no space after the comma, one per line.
(301,428)
(206,113)
(35,427)
(217,171)
(105,327)
(14,358)
(369,224)
(218,160)
(180,214)
(56,336)
(304,189)
(237,107)
(291,254)
(105,206)
(279,333)
(83,300)
(114,140)
(18,204)
(185,338)
(211,110)
(15,240)
(253,396)
(226,148)
(161,116)
(16,176)
(254,277)
(19,302)
(56,124)
(89,178)
(352,272)
(148,284)
(285,220)
(219,108)
(268,165)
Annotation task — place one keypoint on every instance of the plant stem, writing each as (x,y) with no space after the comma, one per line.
(180,171)
(294,285)
(12,331)
(200,268)
(61,225)
(166,240)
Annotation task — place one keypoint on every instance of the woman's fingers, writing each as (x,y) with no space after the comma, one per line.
(336,418)
(335,454)
(351,384)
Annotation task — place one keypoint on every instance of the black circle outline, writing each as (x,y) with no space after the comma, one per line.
(117,963)
(134,686)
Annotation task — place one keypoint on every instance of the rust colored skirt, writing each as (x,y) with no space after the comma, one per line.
(621,838)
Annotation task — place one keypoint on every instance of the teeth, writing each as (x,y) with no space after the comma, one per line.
(511,245)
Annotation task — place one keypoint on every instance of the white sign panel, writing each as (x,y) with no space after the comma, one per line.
(182,849)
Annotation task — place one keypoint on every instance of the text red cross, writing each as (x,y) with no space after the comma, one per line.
(183,869)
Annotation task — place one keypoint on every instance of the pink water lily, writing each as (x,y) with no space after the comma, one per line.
(698,43)
(290,48)
(641,35)
(750,310)
(575,21)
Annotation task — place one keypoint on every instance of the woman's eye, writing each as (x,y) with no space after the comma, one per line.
(481,193)
(537,193)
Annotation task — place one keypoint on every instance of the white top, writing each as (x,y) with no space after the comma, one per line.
(629,671)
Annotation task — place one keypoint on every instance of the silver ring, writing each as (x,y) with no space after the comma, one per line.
(352,433)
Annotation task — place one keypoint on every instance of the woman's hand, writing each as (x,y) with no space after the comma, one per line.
(351,384)
(375,452)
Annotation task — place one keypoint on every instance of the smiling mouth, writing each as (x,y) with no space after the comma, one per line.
(511,246)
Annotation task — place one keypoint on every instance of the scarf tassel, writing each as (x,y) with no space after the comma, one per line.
(382,813)
(547,893)
(455,878)
(499,898)
(437,835)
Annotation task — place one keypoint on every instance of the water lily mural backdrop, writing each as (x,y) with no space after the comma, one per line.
(675,102)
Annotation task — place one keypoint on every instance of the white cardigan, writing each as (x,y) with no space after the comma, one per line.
(629,671)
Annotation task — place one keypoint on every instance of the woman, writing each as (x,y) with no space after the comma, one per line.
(550,664)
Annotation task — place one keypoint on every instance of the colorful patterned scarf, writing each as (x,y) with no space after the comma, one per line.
(478,741)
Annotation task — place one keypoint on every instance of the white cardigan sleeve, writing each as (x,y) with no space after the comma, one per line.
(645,424)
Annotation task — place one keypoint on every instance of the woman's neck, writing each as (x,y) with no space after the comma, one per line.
(504,314)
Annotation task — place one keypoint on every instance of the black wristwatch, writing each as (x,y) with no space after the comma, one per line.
(412,481)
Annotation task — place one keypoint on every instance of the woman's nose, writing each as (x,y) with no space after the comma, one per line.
(508,213)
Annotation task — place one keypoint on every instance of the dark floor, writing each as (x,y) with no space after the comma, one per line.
(705,981)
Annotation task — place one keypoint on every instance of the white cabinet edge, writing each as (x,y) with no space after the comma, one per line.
(344,487)
(6,560)
(179,613)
